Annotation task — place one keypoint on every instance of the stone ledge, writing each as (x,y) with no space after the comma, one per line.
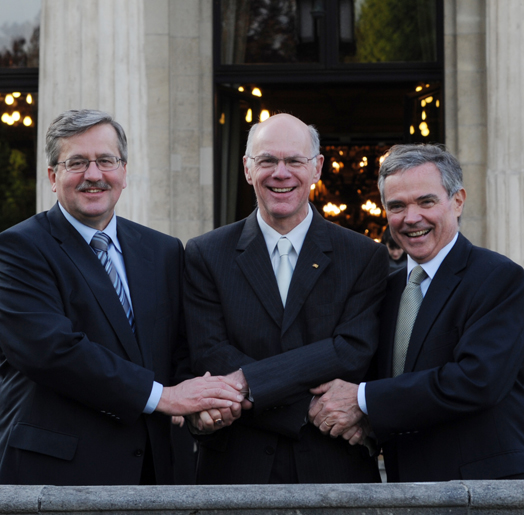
(455,497)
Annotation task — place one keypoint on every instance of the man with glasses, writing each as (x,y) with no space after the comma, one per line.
(91,327)
(279,301)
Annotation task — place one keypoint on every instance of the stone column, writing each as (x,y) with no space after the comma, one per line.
(505,181)
(465,104)
(92,56)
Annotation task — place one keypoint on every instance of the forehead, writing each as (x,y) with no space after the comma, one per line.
(413,183)
(100,139)
(282,137)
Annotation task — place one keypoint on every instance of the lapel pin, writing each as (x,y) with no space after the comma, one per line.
(315,265)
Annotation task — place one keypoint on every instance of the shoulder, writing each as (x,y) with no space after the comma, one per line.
(224,236)
(152,236)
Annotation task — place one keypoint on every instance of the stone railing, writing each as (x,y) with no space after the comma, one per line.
(455,497)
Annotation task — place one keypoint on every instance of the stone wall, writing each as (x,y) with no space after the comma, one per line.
(455,497)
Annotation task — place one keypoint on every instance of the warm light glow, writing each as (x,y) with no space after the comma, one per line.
(333,210)
(371,208)
(424,129)
(249,116)
(9,99)
(364,162)
(264,115)
(340,152)
(336,166)
(312,187)
(256,92)
(437,103)
(222,120)
(411,131)
(423,103)
(5,118)
(429,100)
(418,88)
(381,160)
(427,85)
(15,116)
(29,98)
(16,94)
(423,115)
(241,88)
(27,121)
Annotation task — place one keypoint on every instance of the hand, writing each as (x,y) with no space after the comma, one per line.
(358,434)
(178,421)
(335,411)
(200,394)
(238,377)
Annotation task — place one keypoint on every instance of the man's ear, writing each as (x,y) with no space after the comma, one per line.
(51,174)
(458,201)
(246,171)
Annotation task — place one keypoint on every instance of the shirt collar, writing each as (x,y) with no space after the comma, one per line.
(296,236)
(88,232)
(432,266)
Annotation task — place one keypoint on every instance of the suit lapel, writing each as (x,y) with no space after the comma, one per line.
(255,264)
(442,286)
(311,264)
(96,279)
(140,271)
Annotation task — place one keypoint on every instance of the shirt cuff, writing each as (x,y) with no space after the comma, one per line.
(361,397)
(154,398)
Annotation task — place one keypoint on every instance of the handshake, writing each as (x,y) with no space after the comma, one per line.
(209,402)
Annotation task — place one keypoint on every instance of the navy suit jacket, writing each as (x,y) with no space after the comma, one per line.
(457,411)
(328,329)
(74,377)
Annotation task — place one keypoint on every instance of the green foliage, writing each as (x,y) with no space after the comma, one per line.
(396,30)
(17,196)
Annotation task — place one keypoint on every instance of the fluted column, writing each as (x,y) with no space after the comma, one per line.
(92,56)
(505,79)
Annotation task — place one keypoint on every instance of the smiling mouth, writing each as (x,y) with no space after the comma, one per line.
(92,190)
(416,234)
(281,190)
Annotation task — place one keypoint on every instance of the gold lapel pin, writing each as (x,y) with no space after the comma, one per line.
(315,265)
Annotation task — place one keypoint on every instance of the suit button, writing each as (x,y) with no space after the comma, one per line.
(269,450)
(139,452)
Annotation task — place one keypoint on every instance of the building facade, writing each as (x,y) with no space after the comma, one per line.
(155,65)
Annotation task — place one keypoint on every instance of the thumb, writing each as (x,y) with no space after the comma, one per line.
(321,389)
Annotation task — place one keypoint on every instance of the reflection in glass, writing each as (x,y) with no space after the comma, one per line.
(299,31)
(19,33)
(276,31)
(391,31)
(17,157)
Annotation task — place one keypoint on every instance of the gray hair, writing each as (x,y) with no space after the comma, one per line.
(313,133)
(74,122)
(400,158)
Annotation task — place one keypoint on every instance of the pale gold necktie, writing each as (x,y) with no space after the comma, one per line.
(285,270)
(407,313)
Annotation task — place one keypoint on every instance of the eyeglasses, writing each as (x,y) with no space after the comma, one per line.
(271,162)
(104,164)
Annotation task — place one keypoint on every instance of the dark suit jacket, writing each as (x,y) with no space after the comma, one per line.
(457,412)
(235,319)
(74,379)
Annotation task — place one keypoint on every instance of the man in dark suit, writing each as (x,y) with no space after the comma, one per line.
(452,405)
(91,327)
(280,341)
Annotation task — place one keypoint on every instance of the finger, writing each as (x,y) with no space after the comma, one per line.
(216,416)
(206,422)
(177,420)
(223,394)
(321,389)
(245,404)
(357,438)
(351,432)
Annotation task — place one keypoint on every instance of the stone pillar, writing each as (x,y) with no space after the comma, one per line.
(180,139)
(465,104)
(92,56)
(505,182)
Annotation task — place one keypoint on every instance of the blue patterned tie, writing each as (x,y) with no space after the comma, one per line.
(100,243)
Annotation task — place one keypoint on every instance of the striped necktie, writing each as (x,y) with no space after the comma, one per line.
(407,313)
(100,244)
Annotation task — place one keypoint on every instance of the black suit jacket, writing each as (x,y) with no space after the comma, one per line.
(235,319)
(74,379)
(457,411)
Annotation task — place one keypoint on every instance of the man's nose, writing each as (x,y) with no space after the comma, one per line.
(412,214)
(281,170)
(92,173)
